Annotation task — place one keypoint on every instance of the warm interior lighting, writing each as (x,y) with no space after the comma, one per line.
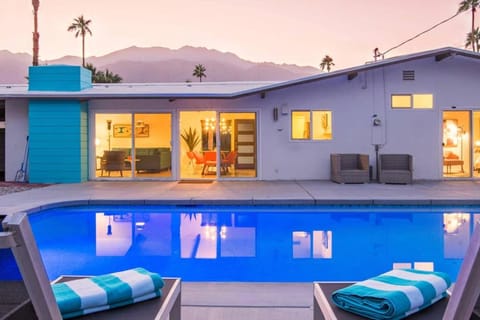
(453,221)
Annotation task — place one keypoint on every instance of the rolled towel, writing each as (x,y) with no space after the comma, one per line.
(393,295)
(98,293)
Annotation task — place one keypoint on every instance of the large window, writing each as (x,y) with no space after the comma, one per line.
(311,125)
(415,101)
(133,145)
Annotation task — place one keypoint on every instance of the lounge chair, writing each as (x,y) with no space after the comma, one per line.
(462,304)
(18,236)
(349,168)
(113,161)
(395,168)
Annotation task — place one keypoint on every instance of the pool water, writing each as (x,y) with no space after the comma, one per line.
(257,243)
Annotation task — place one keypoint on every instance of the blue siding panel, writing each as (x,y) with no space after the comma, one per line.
(58,78)
(58,141)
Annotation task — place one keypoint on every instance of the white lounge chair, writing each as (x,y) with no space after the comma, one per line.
(17,235)
(463,304)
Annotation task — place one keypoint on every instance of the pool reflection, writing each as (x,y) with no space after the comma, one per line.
(241,245)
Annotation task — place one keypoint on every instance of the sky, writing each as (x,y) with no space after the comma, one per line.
(297,32)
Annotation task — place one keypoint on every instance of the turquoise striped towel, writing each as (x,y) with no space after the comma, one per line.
(393,295)
(88,295)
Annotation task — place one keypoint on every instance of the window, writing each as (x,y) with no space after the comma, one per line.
(416,101)
(311,125)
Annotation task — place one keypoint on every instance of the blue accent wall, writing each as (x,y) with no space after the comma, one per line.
(58,141)
(58,129)
(59,78)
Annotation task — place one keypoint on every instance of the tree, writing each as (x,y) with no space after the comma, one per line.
(81,27)
(36,35)
(327,63)
(476,40)
(99,76)
(199,71)
(471,5)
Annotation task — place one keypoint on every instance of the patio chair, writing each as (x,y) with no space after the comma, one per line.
(395,168)
(349,168)
(462,304)
(18,236)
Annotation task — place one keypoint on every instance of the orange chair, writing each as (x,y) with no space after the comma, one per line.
(229,161)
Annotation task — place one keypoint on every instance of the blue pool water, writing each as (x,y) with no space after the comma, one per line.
(276,243)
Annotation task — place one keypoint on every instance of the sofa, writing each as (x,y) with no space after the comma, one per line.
(150,159)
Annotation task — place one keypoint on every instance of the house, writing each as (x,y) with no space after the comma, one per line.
(425,104)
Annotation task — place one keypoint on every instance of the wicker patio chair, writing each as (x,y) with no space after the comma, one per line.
(395,168)
(349,168)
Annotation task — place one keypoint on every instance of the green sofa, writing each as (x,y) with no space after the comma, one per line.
(150,159)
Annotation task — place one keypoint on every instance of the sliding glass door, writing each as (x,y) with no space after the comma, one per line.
(217,145)
(456,144)
(133,145)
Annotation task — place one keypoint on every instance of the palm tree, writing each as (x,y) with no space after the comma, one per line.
(476,40)
(327,62)
(81,27)
(36,35)
(199,71)
(472,5)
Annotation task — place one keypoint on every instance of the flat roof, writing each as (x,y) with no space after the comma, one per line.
(215,90)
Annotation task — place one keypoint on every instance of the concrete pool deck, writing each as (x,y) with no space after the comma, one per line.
(234,301)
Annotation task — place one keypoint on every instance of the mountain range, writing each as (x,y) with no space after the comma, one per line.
(158,64)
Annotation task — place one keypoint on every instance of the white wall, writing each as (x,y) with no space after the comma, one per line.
(16,131)
(452,81)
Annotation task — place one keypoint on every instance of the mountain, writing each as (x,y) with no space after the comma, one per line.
(158,64)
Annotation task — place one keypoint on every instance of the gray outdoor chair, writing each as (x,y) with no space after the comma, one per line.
(17,235)
(349,168)
(463,303)
(395,168)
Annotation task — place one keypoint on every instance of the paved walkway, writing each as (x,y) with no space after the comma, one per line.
(205,301)
(244,192)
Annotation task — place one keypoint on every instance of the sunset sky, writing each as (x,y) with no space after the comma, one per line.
(299,32)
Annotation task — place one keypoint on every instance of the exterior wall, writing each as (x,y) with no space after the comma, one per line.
(57,141)
(58,128)
(59,77)
(16,132)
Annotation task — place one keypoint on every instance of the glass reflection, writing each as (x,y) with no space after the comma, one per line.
(251,243)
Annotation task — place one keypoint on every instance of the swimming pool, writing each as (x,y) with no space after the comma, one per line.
(253,243)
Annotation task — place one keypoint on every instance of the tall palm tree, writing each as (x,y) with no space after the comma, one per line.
(199,71)
(327,62)
(36,35)
(472,5)
(476,40)
(81,27)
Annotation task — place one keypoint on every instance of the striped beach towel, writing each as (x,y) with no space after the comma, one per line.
(393,295)
(88,295)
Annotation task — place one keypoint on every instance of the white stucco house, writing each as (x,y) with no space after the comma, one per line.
(425,104)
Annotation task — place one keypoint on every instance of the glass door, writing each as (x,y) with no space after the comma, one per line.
(152,140)
(113,145)
(476,144)
(216,145)
(133,145)
(198,145)
(456,144)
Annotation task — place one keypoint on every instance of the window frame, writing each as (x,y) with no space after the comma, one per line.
(311,124)
(412,101)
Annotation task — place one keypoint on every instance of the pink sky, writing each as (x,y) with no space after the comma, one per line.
(283,31)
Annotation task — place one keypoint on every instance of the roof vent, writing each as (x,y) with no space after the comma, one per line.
(408,74)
